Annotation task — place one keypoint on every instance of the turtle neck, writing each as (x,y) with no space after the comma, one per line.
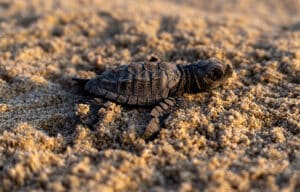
(191,82)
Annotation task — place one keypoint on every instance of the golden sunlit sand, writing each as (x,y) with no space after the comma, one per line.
(244,136)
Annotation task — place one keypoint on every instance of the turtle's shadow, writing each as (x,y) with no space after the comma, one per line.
(44,105)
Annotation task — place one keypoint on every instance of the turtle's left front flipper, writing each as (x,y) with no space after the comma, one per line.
(157,113)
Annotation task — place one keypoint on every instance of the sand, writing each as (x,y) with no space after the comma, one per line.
(244,136)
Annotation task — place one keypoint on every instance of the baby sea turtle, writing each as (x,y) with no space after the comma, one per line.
(155,83)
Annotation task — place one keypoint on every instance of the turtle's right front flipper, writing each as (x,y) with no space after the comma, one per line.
(158,112)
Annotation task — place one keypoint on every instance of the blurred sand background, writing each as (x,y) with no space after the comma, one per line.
(244,136)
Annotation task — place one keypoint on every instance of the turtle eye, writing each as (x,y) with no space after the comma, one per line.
(215,74)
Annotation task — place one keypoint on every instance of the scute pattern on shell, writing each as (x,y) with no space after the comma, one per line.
(139,83)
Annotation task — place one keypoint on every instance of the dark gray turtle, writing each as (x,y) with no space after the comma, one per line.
(155,83)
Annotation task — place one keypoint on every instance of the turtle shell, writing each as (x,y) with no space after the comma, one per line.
(139,83)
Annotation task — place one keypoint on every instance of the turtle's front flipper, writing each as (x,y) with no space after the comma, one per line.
(153,58)
(158,112)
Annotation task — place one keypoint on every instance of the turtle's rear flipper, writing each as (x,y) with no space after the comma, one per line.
(80,86)
(80,82)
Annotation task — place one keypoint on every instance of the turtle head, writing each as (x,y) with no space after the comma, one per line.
(208,74)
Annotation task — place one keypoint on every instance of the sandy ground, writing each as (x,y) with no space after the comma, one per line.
(244,136)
